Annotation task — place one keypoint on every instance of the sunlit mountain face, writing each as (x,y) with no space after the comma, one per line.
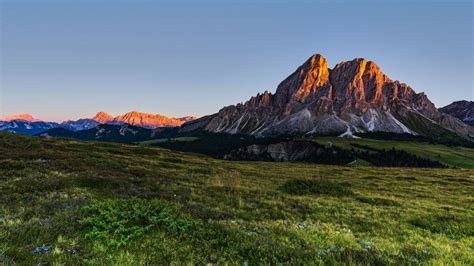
(353,97)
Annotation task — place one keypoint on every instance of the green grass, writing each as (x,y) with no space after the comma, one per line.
(104,203)
(452,156)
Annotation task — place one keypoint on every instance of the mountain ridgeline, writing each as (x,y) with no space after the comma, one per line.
(110,133)
(27,124)
(353,97)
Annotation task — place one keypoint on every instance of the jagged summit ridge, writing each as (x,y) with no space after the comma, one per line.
(354,96)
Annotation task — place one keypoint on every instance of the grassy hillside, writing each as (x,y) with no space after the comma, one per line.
(452,156)
(65,201)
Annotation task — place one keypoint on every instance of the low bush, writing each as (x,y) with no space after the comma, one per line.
(118,221)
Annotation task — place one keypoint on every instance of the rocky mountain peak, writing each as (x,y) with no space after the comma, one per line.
(314,72)
(304,83)
(463,110)
(24,117)
(149,120)
(135,114)
(317,62)
(461,104)
(141,119)
(355,96)
(102,117)
(359,81)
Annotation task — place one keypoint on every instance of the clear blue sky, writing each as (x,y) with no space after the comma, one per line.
(67,59)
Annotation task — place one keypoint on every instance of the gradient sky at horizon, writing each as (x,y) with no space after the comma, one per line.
(72,58)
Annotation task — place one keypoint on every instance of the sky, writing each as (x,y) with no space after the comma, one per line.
(66,59)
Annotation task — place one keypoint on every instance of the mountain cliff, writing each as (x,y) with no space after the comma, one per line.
(353,97)
(463,110)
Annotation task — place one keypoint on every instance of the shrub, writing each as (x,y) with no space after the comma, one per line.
(118,221)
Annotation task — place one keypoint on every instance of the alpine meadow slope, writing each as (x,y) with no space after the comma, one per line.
(204,132)
(73,202)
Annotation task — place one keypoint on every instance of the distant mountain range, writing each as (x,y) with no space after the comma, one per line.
(27,124)
(124,133)
(148,120)
(463,110)
(353,97)
(26,127)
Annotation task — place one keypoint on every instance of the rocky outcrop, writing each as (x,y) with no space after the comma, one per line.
(355,96)
(462,110)
(291,151)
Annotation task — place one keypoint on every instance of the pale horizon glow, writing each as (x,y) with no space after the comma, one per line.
(65,60)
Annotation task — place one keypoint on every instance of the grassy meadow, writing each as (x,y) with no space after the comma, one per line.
(71,202)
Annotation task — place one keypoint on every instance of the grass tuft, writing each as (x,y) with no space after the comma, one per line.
(377,201)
